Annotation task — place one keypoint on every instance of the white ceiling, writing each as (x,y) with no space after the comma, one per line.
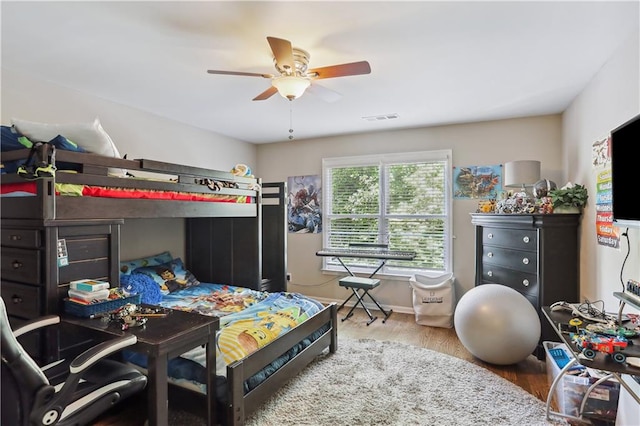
(432,63)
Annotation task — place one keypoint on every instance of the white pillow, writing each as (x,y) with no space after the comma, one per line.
(90,136)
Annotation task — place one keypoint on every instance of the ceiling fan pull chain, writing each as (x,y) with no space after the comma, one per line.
(290,119)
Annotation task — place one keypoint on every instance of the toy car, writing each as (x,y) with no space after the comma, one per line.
(591,343)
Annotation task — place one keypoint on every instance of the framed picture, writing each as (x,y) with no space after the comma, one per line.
(304,205)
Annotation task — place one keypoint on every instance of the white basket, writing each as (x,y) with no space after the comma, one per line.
(434,299)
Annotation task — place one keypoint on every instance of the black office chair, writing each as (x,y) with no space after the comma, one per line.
(92,384)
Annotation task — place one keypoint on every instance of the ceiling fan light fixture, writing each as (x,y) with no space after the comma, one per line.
(291,86)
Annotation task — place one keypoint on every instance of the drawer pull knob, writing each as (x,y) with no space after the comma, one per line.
(525,260)
(490,273)
(525,239)
(525,282)
(490,236)
(15,237)
(16,264)
(16,299)
(490,254)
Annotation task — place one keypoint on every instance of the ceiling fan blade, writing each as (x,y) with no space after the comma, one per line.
(342,70)
(324,93)
(248,74)
(283,52)
(266,94)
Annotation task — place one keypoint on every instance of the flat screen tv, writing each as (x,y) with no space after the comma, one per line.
(625,162)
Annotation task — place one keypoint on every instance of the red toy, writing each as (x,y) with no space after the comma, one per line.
(592,343)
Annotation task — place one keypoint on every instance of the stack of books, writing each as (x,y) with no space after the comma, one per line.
(86,292)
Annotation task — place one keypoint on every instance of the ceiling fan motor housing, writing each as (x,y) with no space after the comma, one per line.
(301,61)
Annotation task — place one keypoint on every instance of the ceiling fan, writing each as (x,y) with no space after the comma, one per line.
(293,77)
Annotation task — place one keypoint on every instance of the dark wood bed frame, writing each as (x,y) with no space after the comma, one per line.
(224,244)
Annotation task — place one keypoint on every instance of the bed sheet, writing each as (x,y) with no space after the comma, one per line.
(78,190)
(249,319)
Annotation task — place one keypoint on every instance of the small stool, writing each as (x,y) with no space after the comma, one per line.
(365,284)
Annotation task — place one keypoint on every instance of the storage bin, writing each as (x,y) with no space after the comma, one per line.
(88,311)
(434,299)
(602,403)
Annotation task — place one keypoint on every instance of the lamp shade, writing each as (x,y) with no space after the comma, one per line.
(521,173)
(290,86)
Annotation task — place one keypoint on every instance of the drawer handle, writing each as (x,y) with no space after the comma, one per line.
(16,299)
(525,260)
(15,237)
(490,254)
(525,282)
(525,239)
(16,264)
(490,273)
(490,236)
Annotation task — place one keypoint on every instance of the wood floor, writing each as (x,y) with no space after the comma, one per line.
(529,374)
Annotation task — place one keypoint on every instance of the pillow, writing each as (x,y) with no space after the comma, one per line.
(128,266)
(170,276)
(90,136)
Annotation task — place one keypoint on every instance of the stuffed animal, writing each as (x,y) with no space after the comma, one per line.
(143,285)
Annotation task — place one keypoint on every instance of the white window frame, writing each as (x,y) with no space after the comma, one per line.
(382,160)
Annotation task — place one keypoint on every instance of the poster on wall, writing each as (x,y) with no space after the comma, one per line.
(477,182)
(304,205)
(607,233)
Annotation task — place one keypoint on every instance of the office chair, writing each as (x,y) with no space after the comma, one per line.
(92,384)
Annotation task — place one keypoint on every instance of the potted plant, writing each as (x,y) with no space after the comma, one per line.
(571,198)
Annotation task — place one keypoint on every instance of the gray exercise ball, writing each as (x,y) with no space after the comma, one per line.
(497,324)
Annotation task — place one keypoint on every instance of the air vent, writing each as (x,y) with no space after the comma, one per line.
(381,117)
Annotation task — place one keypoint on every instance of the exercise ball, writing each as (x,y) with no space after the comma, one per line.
(497,324)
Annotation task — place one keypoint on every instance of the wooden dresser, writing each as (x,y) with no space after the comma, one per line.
(40,258)
(537,255)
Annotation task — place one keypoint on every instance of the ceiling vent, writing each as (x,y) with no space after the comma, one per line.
(381,117)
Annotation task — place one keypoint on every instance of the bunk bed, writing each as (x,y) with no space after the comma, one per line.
(224,225)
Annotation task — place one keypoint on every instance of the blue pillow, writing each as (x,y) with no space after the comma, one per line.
(170,276)
(129,266)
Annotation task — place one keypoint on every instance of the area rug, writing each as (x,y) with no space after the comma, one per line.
(369,382)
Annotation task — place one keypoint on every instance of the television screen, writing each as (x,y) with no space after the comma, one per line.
(625,141)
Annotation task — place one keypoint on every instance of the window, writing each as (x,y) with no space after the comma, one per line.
(403,200)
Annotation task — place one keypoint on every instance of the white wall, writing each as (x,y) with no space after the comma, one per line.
(486,143)
(135,133)
(612,97)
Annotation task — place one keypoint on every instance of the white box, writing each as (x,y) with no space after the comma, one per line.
(602,402)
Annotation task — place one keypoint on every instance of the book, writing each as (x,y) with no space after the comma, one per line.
(89,296)
(89,285)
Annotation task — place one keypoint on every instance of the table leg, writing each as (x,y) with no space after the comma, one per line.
(157,393)
(211,380)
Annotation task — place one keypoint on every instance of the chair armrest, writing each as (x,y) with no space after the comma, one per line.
(36,324)
(89,357)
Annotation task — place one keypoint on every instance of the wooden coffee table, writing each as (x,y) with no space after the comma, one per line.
(161,339)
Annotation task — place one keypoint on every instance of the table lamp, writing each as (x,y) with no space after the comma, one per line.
(521,173)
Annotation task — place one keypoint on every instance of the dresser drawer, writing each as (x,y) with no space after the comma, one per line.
(22,300)
(21,265)
(519,239)
(520,281)
(525,261)
(27,238)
